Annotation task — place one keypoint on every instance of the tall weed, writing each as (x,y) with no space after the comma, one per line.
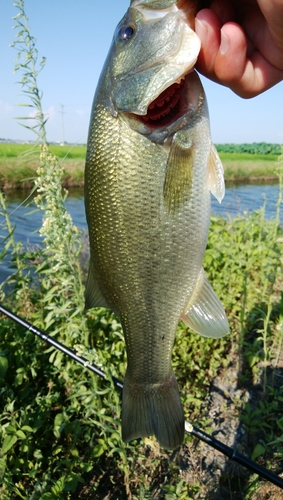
(58,403)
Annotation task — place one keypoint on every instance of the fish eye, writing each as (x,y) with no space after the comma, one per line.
(126,32)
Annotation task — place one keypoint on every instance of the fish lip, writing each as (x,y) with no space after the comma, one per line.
(143,107)
(144,104)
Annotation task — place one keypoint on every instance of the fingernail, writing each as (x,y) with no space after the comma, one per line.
(201,30)
(224,44)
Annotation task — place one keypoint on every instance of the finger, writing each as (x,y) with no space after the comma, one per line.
(255,25)
(223,51)
(231,59)
(227,57)
(238,65)
(207,27)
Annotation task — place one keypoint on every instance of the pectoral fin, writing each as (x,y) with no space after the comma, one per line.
(204,312)
(216,182)
(93,295)
(179,174)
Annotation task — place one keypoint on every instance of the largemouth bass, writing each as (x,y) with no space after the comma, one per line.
(150,169)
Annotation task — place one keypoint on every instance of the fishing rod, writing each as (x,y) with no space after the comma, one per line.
(189,428)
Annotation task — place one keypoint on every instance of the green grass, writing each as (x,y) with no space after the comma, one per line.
(247,171)
(12,150)
(246,157)
(18,164)
(244,167)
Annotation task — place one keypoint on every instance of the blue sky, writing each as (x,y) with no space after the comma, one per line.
(75,38)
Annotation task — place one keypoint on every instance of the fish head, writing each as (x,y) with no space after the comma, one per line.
(154,48)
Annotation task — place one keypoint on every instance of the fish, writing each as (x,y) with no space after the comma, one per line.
(150,170)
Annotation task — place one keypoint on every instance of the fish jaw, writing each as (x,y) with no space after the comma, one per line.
(161,51)
(186,105)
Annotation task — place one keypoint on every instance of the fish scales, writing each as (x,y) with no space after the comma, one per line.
(148,229)
(139,235)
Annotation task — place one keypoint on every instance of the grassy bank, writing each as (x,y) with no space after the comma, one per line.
(244,167)
(18,165)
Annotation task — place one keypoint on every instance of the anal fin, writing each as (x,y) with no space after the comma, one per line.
(93,294)
(204,312)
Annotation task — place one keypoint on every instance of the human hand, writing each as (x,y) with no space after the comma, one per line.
(242,44)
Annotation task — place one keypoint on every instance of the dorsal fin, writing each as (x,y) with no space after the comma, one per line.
(93,294)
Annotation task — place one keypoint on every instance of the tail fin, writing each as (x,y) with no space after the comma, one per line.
(153,409)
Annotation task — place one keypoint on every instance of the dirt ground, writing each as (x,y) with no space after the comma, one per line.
(221,477)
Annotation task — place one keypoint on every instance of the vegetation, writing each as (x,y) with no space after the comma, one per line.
(249,152)
(243,167)
(18,164)
(60,425)
(256,148)
(14,150)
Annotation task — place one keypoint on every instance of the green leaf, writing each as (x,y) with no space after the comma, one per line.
(98,451)
(58,487)
(38,454)
(59,419)
(280,422)
(27,428)
(3,366)
(57,450)
(259,450)
(2,466)
(20,434)
(8,443)
(10,429)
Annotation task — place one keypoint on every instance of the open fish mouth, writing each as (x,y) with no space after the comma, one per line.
(165,108)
